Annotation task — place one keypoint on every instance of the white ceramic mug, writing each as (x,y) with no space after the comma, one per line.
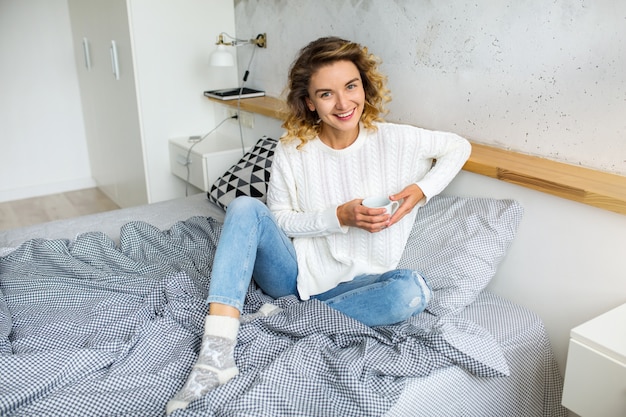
(381,202)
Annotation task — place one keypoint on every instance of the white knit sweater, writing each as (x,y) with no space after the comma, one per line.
(308,185)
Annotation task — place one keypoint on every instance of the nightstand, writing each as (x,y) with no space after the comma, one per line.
(207,161)
(595,376)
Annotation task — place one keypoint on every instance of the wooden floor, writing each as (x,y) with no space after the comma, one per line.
(20,213)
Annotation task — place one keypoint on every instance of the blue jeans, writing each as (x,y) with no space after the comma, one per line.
(252,246)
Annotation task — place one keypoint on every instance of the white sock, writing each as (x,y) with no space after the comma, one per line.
(215,364)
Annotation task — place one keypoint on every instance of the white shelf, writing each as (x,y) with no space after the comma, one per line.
(605,333)
(207,161)
(595,377)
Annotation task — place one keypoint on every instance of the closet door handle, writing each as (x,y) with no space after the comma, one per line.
(115,67)
(87,54)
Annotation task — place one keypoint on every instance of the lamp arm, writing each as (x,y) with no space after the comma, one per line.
(260,40)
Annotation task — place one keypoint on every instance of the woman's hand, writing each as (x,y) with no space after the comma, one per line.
(373,220)
(411,195)
(354,214)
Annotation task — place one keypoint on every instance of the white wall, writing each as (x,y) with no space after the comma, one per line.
(42,143)
(538,77)
(543,78)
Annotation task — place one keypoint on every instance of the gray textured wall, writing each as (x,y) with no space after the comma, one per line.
(538,77)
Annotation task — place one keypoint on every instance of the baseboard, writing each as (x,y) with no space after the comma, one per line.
(46,189)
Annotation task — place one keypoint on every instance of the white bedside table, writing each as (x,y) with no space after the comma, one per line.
(595,376)
(207,161)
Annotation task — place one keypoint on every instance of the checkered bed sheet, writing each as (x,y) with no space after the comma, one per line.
(88,327)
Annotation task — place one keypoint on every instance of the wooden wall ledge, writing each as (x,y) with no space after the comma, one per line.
(588,186)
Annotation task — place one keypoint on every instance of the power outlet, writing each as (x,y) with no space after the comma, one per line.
(246,118)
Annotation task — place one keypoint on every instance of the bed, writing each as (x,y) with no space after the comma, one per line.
(102,315)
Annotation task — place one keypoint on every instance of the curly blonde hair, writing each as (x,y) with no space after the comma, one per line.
(302,123)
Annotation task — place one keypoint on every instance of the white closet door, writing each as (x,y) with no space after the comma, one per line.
(109,98)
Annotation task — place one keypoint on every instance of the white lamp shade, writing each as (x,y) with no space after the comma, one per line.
(221,57)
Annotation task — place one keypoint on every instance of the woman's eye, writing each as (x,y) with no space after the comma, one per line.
(325,94)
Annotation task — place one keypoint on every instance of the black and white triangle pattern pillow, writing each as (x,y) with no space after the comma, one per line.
(249,176)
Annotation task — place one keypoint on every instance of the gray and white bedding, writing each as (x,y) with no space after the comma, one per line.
(533,388)
(103,325)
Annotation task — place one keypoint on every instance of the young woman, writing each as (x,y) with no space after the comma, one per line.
(314,238)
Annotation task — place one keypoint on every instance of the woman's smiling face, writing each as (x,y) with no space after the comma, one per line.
(336,93)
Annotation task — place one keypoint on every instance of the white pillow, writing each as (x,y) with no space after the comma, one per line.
(457,243)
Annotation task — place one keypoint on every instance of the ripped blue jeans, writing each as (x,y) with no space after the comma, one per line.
(252,246)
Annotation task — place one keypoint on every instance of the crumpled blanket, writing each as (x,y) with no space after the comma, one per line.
(91,328)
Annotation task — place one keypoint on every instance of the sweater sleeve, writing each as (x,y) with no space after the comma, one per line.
(450,153)
(282,200)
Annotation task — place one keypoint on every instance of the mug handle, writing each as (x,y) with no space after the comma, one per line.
(394,207)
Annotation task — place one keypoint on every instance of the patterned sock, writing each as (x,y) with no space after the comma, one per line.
(215,364)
